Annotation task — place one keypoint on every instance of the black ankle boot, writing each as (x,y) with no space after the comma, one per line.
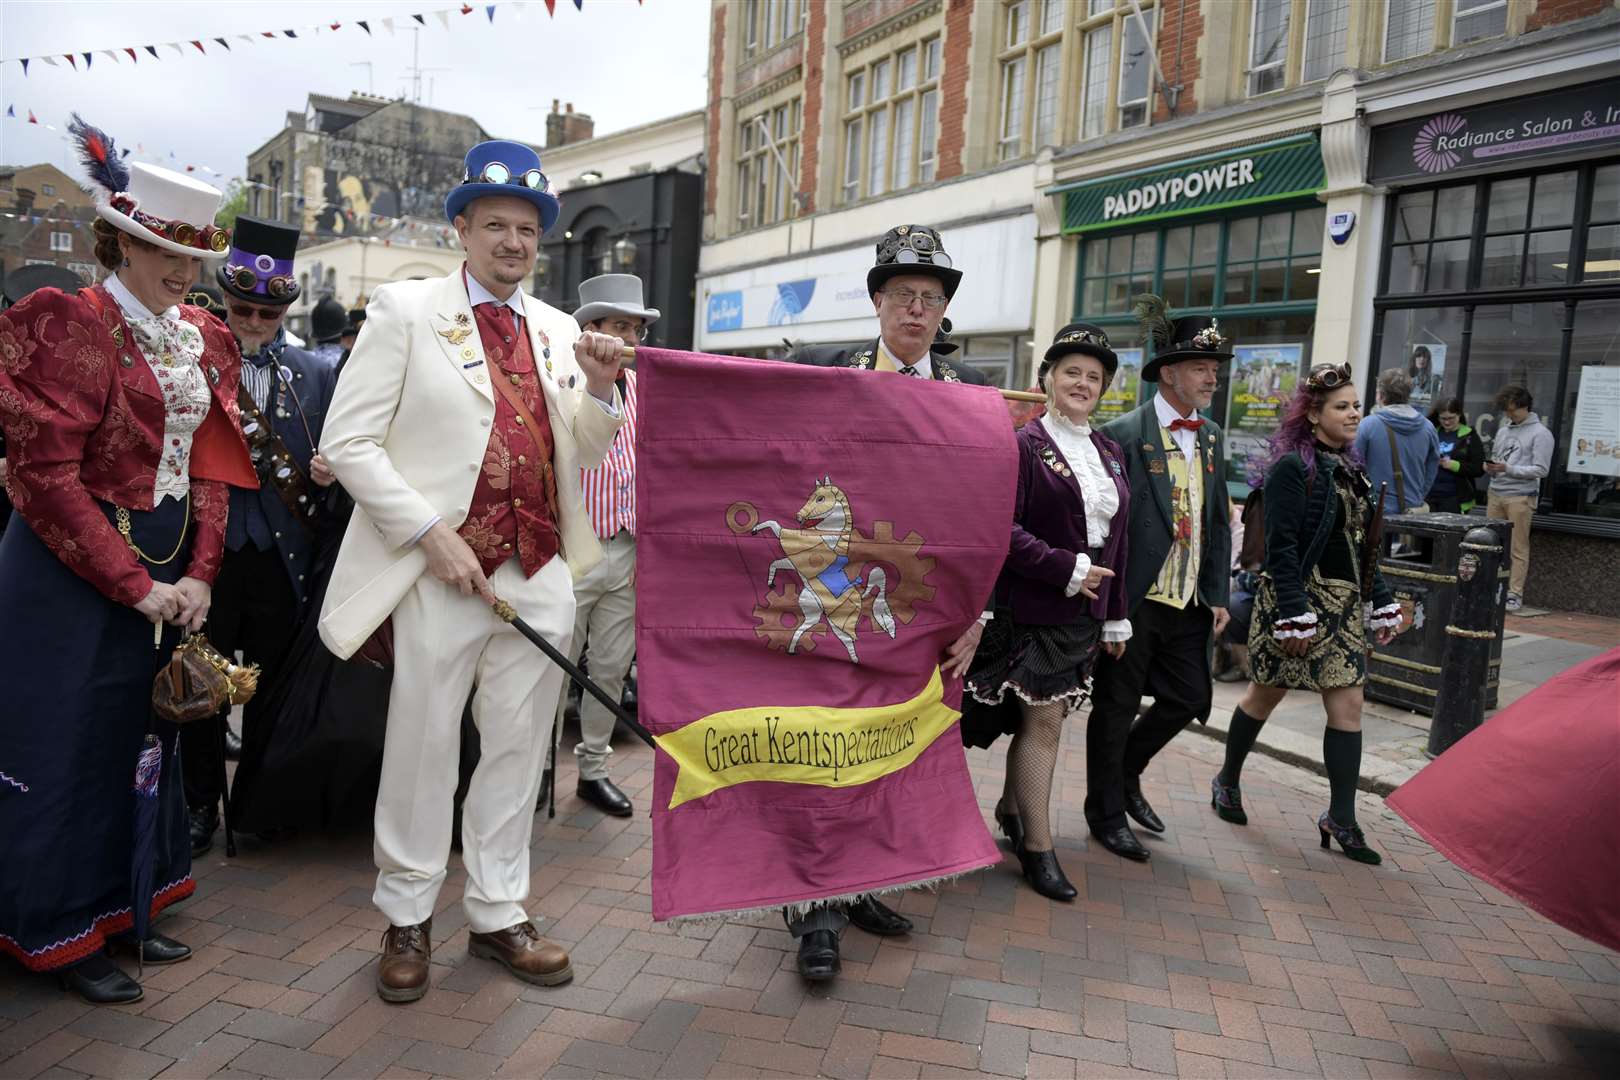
(100,981)
(1045,876)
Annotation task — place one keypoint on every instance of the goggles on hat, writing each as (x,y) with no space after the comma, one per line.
(916,247)
(1328,376)
(1084,337)
(496,173)
(279,287)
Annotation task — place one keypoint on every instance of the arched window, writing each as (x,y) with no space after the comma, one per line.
(598,252)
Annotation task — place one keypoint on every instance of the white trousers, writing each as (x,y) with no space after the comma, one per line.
(444,644)
(604,618)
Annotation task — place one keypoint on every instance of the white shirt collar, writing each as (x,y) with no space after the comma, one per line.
(1057,421)
(925,366)
(1167,412)
(477,294)
(133,309)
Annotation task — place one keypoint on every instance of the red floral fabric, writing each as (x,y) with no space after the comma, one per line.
(84,418)
(511,511)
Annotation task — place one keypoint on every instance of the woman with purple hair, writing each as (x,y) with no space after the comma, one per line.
(1319,594)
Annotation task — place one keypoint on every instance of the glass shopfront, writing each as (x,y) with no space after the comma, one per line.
(1236,235)
(1514,278)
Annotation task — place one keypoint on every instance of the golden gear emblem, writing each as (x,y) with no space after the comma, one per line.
(882,579)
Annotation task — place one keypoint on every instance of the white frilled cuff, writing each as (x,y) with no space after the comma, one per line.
(1082,567)
(1300,626)
(1116,630)
(1387,617)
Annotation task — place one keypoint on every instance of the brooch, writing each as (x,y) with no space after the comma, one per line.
(456,334)
(213,375)
(1055,463)
(1156,466)
(1112,464)
(118,336)
(462,319)
(862,360)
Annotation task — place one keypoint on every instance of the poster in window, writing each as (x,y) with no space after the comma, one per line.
(1263,379)
(1428,371)
(1122,391)
(1594,445)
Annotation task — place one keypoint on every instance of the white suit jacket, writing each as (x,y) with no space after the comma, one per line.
(406,435)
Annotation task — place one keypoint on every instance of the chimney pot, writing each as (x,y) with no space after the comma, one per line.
(569,107)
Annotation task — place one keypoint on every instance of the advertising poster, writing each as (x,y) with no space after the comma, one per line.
(1263,379)
(1428,371)
(1122,392)
(1594,445)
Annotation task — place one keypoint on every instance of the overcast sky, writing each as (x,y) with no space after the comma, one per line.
(621,62)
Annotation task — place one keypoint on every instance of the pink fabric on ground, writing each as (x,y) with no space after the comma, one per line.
(930,458)
(1528,801)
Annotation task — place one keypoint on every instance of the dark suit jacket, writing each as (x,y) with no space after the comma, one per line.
(865,356)
(1152,523)
(311,383)
(1049,529)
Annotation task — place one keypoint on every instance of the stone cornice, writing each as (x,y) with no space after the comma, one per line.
(892,25)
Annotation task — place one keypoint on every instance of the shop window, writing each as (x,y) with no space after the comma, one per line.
(891,122)
(1265,264)
(1602,261)
(1527,230)
(1586,457)
(997,357)
(1432,241)
(1424,340)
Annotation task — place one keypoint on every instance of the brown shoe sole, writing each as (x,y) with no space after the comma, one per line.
(400,995)
(549,978)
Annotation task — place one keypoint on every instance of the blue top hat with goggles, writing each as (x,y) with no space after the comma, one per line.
(499,167)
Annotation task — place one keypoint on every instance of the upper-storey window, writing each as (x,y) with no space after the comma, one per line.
(891,121)
(768,164)
(1273,62)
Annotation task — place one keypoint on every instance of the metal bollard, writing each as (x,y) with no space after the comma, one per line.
(1465,662)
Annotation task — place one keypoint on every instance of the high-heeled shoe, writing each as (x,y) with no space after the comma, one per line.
(1349,838)
(1045,876)
(1227,801)
(1012,827)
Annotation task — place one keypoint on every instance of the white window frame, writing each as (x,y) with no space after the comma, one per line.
(765,196)
(1280,63)
(1342,59)
(62,240)
(870,140)
(1434,37)
(1115,17)
(1458,15)
(1017,136)
(1149,16)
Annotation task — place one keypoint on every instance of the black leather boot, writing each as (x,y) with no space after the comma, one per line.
(1045,876)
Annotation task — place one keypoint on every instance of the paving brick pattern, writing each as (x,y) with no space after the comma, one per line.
(1236,952)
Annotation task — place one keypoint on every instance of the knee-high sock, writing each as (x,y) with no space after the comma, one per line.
(1240,737)
(1341,753)
(1031,759)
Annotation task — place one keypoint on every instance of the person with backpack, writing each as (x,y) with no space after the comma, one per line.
(1399,446)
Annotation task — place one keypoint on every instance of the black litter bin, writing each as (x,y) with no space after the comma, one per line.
(1424,560)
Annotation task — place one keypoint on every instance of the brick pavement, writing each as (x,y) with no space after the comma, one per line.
(1237,952)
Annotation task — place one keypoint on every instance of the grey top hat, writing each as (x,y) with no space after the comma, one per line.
(612,294)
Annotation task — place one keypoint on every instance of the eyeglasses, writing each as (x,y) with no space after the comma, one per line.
(1328,376)
(247,311)
(496,173)
(904,297)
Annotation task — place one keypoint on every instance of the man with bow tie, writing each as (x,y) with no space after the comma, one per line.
(460,425)
(1176,582)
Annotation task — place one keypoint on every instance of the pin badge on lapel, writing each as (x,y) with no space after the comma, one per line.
(213,374)
(118,337)
(126,359)
(1156,466)
(455,335)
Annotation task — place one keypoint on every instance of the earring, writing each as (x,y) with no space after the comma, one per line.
(126,264)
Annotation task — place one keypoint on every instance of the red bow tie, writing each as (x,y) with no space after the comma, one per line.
(1180,424)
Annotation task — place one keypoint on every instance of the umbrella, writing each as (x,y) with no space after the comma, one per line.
(148,767)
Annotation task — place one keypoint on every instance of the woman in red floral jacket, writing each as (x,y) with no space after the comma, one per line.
(119,409)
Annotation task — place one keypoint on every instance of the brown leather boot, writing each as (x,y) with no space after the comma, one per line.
(524,953)
(407,952)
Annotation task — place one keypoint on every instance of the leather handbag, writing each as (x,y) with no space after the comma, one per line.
(198,682)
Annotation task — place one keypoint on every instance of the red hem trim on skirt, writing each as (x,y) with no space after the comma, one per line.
(94,938)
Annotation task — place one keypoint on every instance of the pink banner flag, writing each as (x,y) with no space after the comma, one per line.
(810,541)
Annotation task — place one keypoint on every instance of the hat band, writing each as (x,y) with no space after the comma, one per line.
(264,275)
(210,238)
(1084,337)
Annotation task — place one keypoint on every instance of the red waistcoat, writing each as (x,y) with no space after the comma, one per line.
(513,504)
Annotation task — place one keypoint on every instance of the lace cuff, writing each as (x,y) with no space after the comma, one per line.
(1115,630)
(1082,567)
(1300,626)
(1387,617)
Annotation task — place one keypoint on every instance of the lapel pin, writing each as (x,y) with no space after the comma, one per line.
(467,353)
(126,359)
(455,335)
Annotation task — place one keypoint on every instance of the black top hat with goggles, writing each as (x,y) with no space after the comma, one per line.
(912,249)
(260,266)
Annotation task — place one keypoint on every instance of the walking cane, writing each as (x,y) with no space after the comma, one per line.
(507,613)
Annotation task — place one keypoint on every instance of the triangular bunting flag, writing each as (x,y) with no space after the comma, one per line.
(466,9)
(224,44)
(334,26)
(267,33)
(551,8)
(11,112)
(388,24)
(248,38)
(51,60)
(489,9)
(32,119)
(419,20)
(362,24)
(153,50)
(134,57)
(200,48)
(24,62)
(87,60)
(74,64)
(175,45)
(444,18)
(290,33)
(110,54)
(579,5)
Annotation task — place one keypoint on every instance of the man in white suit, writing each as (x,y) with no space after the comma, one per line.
(460,426)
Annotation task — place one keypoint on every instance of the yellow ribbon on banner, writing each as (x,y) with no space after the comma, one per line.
(804,744)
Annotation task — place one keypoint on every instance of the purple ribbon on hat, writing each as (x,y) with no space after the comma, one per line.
(264,267)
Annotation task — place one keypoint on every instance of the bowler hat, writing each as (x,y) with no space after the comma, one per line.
(26,279)
(328,321)
(501,167)
(612,294)
(260,266)
(1084,338)
(912,249)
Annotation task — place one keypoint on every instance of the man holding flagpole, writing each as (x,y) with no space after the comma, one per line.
(460,426)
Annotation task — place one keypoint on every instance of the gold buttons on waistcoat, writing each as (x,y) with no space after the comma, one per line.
(519,420)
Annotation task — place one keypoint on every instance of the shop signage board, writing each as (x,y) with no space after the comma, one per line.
(1594,445)
(1287,169)
(1263,379)
(1576,120)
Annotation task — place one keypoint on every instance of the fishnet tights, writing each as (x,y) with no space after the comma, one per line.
(1030,763)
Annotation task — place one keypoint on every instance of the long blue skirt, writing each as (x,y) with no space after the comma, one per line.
(76,674)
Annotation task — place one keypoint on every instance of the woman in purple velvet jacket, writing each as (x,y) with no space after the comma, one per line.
(1060,594)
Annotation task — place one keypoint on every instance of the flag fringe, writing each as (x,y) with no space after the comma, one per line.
(804,907)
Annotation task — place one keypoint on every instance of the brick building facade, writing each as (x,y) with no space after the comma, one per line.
(1238,156)
(46,217)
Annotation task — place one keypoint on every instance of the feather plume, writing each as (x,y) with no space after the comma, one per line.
(1152,312)
(101,159)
